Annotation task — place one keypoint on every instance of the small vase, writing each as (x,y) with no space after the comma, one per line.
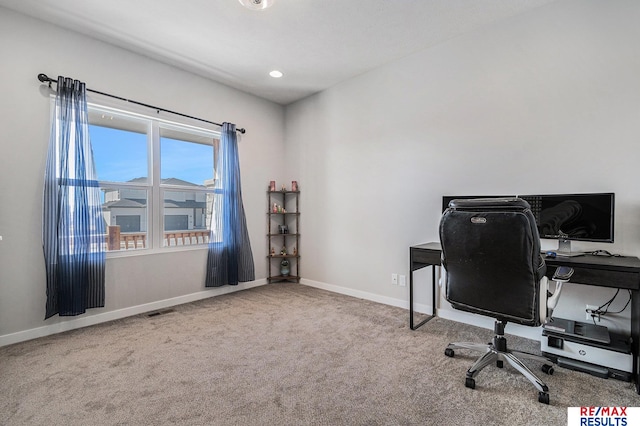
(284,268)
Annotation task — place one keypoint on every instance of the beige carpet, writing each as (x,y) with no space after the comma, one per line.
(282,354)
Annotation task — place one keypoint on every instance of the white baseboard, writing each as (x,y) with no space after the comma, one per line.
(400,303)
(84,321)
(533,333)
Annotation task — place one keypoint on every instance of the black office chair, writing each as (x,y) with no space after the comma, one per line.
(492,266)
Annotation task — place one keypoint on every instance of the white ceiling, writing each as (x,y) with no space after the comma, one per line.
(315,43)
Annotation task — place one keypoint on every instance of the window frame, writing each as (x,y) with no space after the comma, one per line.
(155,233)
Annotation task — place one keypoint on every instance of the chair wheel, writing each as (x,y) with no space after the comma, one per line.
(543,397)
(548,369)
(449,352)
(470,383)
(499,363)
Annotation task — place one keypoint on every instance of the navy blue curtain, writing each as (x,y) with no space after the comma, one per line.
(73,231)
(229,259)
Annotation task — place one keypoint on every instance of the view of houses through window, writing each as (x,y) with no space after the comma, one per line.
(156,178)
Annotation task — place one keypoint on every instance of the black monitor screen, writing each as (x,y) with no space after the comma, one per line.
(578,217)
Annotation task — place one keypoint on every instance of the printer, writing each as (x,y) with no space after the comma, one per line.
(588,348)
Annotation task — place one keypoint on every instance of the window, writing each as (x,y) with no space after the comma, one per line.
(187,183)
(156,178)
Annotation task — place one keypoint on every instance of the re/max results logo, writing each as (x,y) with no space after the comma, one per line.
(603,416)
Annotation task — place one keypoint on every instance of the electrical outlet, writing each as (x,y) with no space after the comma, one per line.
(403,280)
(394,279)
(588,314)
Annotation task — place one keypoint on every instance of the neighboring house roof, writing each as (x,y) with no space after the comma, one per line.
(138,180)
(175,181)
(125,203)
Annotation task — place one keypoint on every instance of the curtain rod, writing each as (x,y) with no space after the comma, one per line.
(44,79)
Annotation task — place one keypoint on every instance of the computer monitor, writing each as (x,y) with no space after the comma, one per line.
(568,217)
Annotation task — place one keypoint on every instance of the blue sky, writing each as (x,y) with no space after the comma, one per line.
(122,155)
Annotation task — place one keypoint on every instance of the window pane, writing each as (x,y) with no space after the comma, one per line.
(185,158)
(125,214)
(119,148)
(187,216)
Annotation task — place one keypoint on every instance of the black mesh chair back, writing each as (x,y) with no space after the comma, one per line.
(491,253)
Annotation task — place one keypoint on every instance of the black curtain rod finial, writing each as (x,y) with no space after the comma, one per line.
(45,79)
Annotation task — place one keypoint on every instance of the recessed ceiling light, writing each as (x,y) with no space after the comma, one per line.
(275,74)
(256,4)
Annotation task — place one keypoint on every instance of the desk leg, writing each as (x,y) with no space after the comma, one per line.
(434,306)
(433,291)
(635,337)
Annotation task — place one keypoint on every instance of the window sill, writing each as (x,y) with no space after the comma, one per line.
(153,251)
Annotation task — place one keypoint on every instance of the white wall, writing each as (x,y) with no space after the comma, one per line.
(29,47)
(547,102)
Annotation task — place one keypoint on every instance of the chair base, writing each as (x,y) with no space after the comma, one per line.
(496,352)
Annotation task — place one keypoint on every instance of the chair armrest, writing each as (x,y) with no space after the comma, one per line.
(562,274)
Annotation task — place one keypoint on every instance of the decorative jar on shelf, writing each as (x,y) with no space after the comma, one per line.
(284,268)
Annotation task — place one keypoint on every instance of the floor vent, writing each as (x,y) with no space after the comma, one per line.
(156,313)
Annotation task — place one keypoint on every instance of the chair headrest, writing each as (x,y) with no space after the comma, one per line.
(504,203)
